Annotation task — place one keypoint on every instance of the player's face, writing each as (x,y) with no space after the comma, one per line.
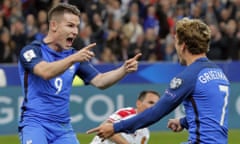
(179,50)
(67,30)
(148,102)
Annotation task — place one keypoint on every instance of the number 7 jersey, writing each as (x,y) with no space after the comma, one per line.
(204,90)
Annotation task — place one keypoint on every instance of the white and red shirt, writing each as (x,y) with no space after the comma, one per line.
(140,136)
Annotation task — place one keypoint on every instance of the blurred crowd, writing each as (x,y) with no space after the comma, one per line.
(122,28)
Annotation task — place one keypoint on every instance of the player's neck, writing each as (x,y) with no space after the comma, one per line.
(51,44)
(193,58)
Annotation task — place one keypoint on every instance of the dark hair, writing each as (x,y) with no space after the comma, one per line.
(62,8)
(143,94)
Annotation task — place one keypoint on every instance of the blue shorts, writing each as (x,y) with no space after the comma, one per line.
(47,133)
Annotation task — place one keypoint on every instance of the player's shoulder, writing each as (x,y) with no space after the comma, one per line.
(122,113)
(191,72)
(126,111)
(34,45)
(187,77)
(201,64)
(30,51)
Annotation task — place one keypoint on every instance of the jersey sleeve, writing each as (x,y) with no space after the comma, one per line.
(184,123)
(86,71)
(179,89)
(122,113)
(30,56)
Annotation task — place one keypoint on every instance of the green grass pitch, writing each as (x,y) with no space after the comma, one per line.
(161,137)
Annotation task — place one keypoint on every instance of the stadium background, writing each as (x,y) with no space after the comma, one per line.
(90,106)
(110,23)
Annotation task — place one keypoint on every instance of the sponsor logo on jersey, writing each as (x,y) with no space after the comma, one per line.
(29,55)
(175,83)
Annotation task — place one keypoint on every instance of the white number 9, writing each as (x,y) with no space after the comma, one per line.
(58,84)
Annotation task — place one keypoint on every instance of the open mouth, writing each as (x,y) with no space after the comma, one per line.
(69,41)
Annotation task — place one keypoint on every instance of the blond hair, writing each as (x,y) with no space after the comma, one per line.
(195,34)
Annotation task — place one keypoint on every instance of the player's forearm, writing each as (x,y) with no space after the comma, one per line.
(109,78)
(48,70)
(151,115)
(105,80)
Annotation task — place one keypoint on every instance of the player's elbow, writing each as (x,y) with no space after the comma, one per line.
(47,76)
(98,82)
(43,75)
(42,70)
(46,71)
(101,86)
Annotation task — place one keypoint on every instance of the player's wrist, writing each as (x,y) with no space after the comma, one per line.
(72,59)
(117,127)
(183,123)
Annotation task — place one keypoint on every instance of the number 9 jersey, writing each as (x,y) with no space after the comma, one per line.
(48,100)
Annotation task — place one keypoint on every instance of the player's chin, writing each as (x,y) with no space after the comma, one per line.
(68,45)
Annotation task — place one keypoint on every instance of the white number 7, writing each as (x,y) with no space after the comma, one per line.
(225,90)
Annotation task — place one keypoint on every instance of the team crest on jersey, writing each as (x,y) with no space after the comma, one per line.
(29,55)
(175,83)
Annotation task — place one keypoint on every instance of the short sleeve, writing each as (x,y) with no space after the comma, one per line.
(30,56)
(87,72)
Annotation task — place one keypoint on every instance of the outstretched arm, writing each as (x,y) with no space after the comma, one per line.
(105,80)
(116,138)
(163,107)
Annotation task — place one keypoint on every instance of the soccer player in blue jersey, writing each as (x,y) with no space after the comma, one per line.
(47,69)
(202,87)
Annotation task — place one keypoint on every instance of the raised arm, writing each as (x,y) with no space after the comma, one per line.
(105,80)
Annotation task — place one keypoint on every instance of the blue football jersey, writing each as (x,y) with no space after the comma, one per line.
(204,91)
(48,100)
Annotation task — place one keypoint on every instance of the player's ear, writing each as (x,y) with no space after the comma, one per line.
(53,25)
(183,47)
(138,103)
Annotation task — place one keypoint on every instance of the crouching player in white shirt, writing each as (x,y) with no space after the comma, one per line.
(145,100)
